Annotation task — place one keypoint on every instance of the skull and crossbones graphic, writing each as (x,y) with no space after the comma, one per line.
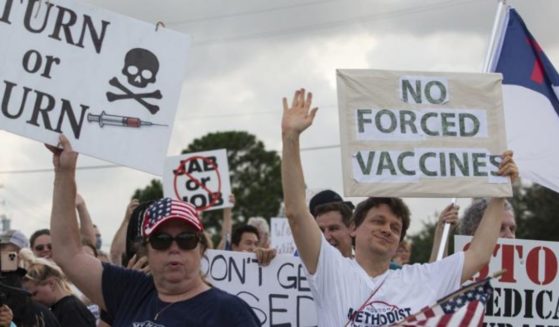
(140,68)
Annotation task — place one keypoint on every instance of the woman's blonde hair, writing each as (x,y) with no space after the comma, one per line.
(39,270)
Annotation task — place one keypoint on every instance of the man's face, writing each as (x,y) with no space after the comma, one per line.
(174,266)
(336,233)
(508,225)
(248,243)
(42,247)
(379,233)
(403,253)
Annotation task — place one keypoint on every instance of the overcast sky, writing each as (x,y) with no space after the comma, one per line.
(246,55)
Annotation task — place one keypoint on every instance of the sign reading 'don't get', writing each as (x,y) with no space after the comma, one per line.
(110,83)
(421,134)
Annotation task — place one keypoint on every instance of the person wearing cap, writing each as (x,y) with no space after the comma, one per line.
(26,312)
(333,216)
(174,294)
(363,291)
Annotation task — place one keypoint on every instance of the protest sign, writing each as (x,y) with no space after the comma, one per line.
(279,293)
(110,83)
(201,178)
(421,134)
(282,239)
(527,294)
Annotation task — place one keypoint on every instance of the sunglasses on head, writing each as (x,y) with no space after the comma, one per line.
(41,247)
(185,241)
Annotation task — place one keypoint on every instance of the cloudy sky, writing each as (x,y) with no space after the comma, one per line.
(248,54)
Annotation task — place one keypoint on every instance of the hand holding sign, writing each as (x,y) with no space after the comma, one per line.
(64,158)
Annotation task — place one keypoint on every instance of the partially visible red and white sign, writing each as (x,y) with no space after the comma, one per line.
(527,293)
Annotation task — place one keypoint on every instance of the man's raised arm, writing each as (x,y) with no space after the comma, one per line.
(81,268)
(487,232)
(305,231)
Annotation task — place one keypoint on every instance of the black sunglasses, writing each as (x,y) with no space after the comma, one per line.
(185,241)
(41,247)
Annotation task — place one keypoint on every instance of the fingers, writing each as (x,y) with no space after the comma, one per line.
(53,149)
(265,256)
(508,166)
(449,215)
(65,143)
(132,261)
(295,99)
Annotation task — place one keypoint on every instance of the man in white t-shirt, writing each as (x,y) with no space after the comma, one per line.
(363,291)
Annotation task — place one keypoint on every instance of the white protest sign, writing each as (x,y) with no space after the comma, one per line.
(279,293)
(110,83)
(201,178)
(527,294)
(282,239)
(421,134)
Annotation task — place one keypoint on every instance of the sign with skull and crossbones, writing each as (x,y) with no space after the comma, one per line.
(140,69)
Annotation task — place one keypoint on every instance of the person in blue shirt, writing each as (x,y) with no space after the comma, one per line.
(175,293)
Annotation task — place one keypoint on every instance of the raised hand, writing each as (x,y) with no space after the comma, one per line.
(300,115)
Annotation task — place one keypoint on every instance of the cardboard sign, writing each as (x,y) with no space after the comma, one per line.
(421,134)
(201,178)
(282,239)
(110,83)
(527,294)
(279,293)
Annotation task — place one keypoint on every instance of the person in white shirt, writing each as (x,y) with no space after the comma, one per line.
(363,291)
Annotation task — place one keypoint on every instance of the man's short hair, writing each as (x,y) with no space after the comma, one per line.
(324,197)
(340,207)
(473,214)
(240,230)
(36,235)
(396,205)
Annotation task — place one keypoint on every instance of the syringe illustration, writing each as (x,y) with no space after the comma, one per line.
(121,121)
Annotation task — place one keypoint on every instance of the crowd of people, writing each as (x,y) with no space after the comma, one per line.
(354,256)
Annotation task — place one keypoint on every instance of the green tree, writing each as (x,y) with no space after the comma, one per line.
(255,176)
(151,192)
(536,209)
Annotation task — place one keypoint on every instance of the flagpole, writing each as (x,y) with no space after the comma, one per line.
(444,237)
(496,31)
(491,49)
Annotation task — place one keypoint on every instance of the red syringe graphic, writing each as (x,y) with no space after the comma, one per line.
(121,121)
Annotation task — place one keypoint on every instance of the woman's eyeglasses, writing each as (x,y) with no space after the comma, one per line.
(185,241)
(41,247)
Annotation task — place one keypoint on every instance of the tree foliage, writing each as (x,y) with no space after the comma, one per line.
(255,176)
(153,191)
(536,209)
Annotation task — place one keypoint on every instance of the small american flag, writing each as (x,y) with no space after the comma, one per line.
(168,208)
(462,308)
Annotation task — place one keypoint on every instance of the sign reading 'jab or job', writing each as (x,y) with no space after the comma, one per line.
(110,83)
(201,178)
(421,134)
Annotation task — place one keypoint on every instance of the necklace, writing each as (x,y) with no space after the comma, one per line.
(162,310)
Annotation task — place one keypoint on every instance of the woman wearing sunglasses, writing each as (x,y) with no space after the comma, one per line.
(174,294)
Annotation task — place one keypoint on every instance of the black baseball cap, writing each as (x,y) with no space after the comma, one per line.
(327,196)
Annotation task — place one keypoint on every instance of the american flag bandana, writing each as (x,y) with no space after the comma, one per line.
(166,209)
(465,307)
